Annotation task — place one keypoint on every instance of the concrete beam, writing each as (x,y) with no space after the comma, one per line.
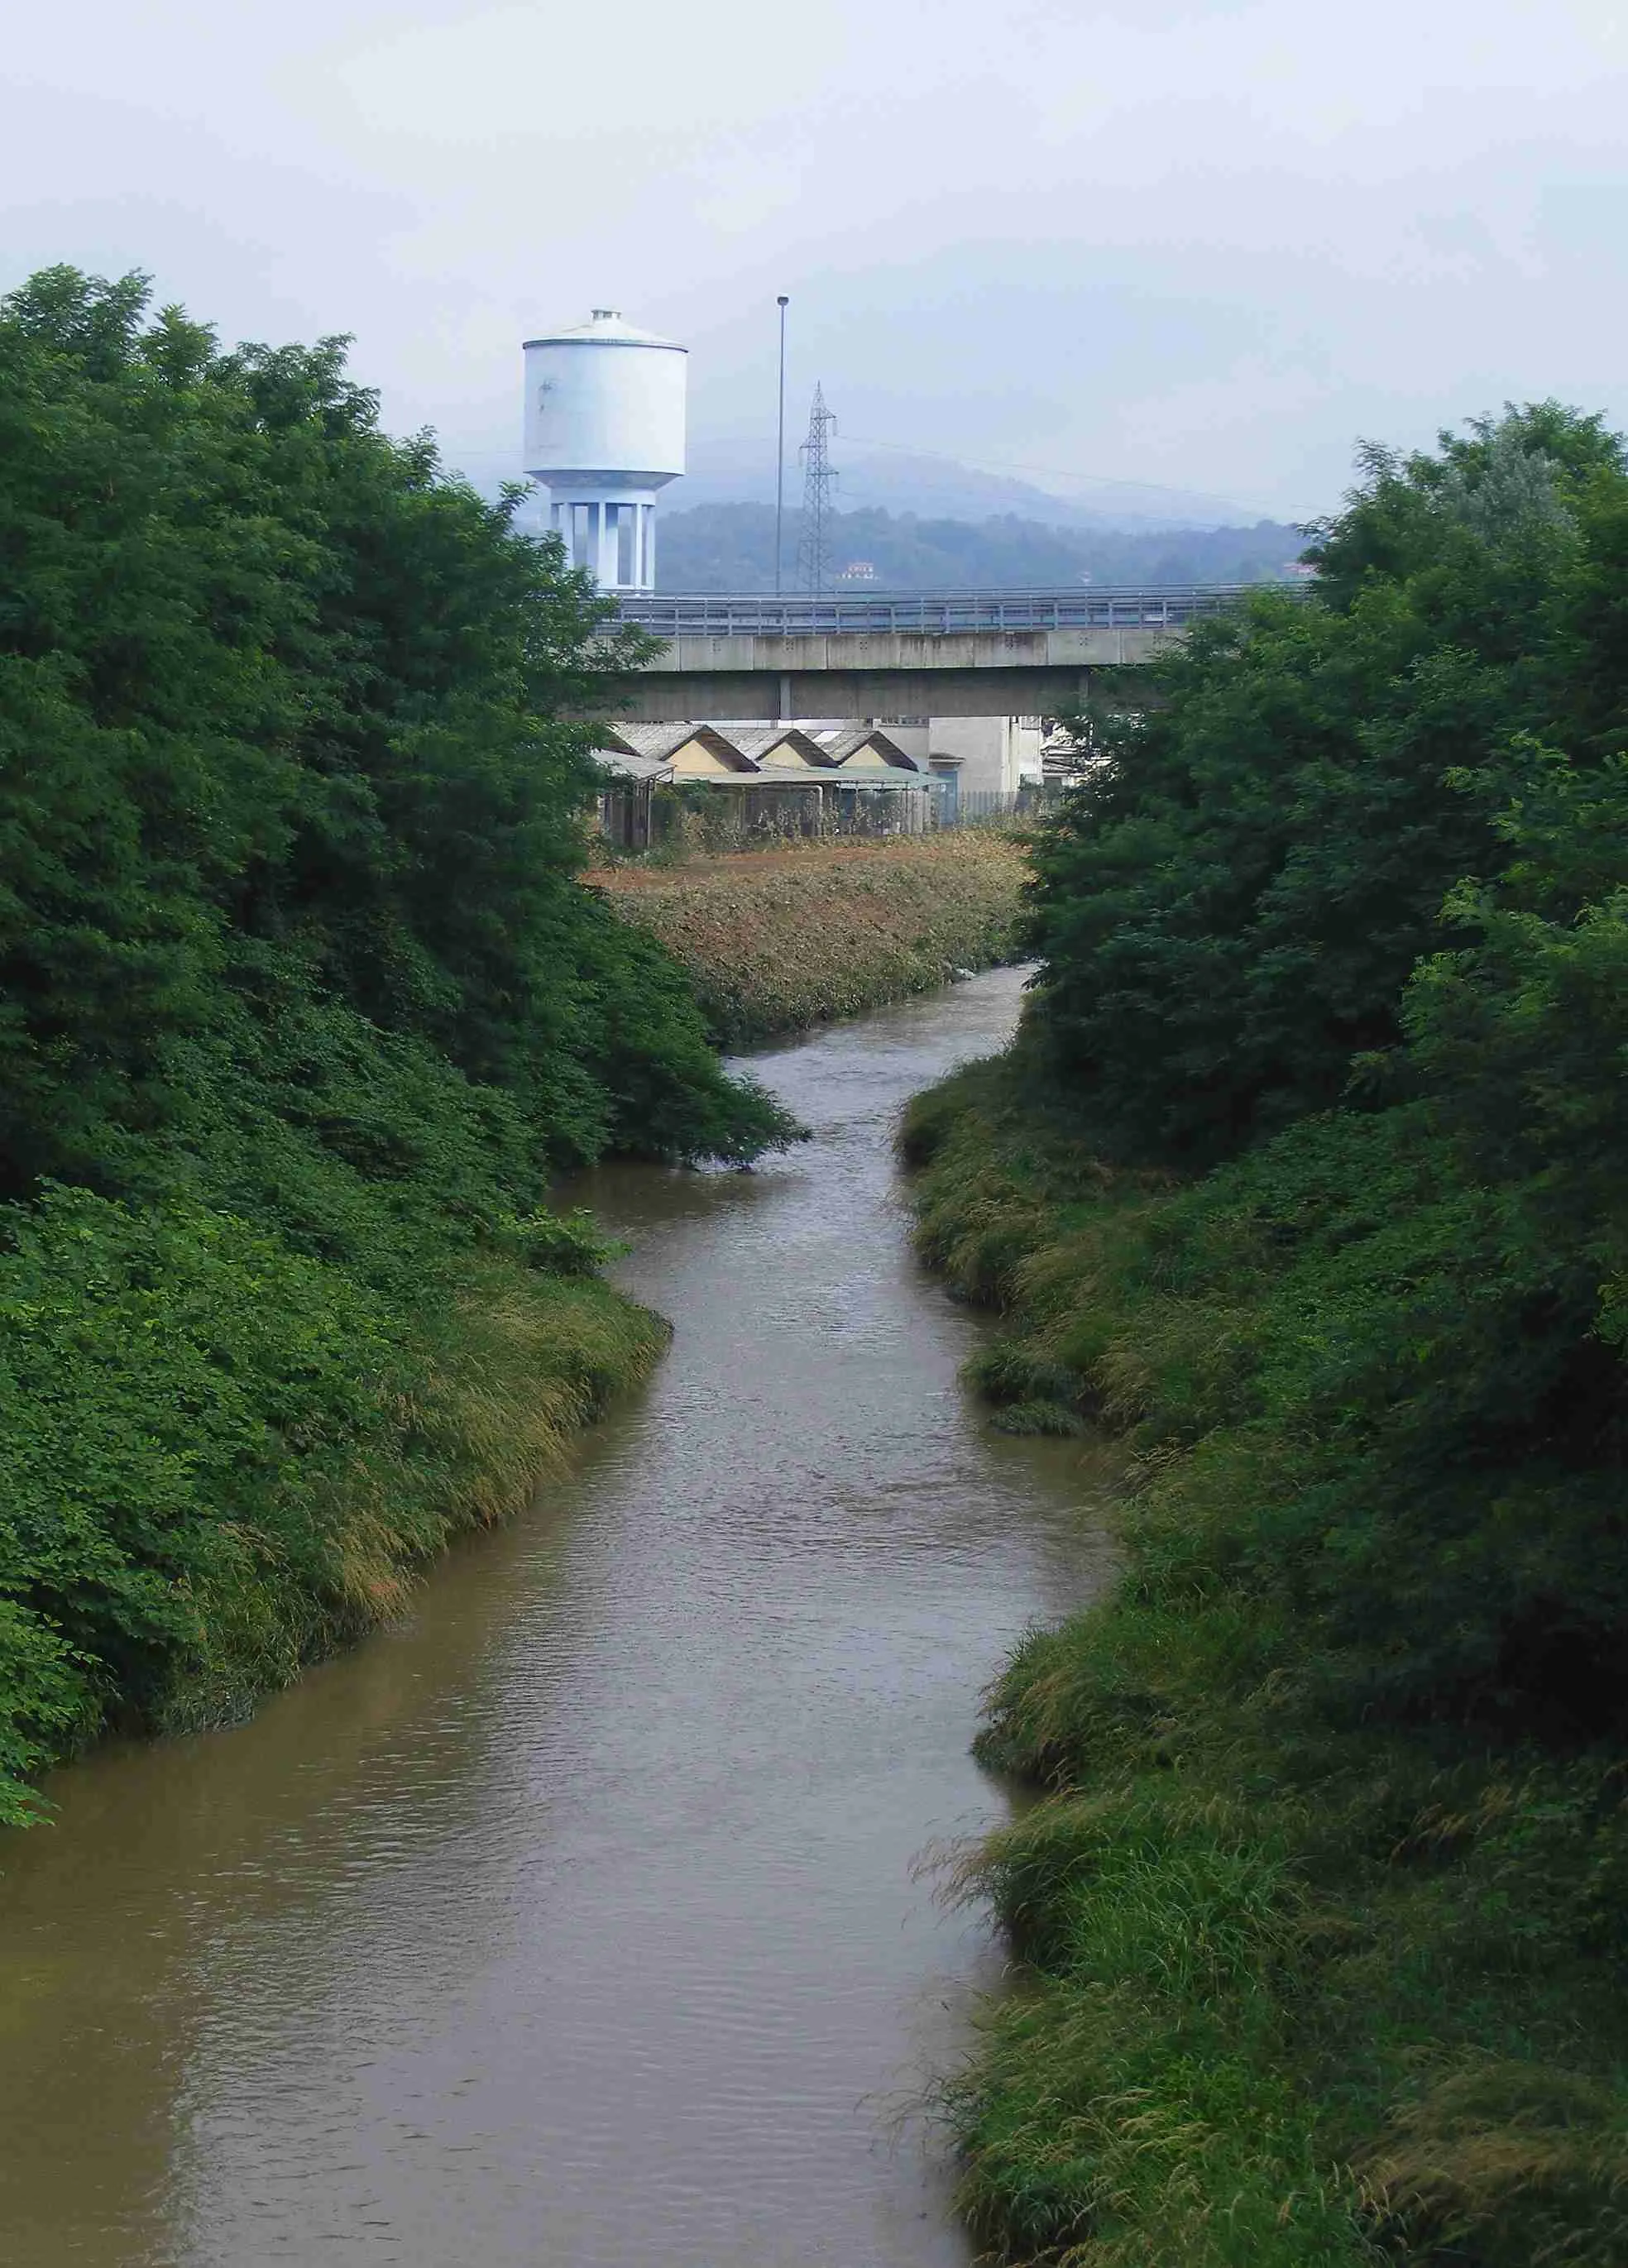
(655,697)
(910,650)
(901,674)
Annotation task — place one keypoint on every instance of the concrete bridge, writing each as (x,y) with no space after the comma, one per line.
(939,653)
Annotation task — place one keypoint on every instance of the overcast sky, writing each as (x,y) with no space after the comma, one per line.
(1198,242)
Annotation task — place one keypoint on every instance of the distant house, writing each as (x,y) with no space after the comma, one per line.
(788,777)
(870,764)
(766,775)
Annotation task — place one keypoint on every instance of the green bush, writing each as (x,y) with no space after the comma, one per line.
(1305,1174)
(280,723)
(222,1456)
(303,1006)
(1229,908)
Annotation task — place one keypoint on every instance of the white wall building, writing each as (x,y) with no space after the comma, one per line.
(985,755)
(990,756)
(605,412)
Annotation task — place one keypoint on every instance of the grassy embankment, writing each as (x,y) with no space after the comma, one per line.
(1300,1991)
(224,1457)
(776,941)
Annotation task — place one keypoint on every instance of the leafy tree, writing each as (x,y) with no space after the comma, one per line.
(279,706)
(1228,910)
(302,1007)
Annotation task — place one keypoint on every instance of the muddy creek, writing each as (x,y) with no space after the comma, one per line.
(574,1920)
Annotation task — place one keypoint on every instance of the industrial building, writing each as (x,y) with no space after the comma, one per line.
(688,752)
(778,747)
(864,748)
(776,778)
(984,756)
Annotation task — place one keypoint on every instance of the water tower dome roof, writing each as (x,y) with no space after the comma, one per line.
(605,329)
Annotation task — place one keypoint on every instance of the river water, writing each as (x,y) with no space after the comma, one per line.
(574,1920)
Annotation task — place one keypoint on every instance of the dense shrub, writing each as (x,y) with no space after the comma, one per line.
(1307,1174)
(223,1455)
(302,1005)
(278,714)
(1228,910)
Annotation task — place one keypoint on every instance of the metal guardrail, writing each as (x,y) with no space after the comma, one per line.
(936,614)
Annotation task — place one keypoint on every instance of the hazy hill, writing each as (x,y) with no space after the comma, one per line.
(730,547)
(901,481)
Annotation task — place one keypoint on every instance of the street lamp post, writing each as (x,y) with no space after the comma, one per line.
(780,450)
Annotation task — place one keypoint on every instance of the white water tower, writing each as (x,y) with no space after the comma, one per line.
(604,430)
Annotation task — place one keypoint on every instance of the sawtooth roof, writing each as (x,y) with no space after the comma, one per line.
(843,743)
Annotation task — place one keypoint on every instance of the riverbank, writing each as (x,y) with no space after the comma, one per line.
(224,1459)
(581,1901)
(1312,1980)
(778,941)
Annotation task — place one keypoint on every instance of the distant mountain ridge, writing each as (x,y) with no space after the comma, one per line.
(902,481)
(730,547)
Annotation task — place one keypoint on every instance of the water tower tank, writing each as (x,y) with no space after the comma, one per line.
(605,430)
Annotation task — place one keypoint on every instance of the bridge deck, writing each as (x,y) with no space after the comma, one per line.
(901,653)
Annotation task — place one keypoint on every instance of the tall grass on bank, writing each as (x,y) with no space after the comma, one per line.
(775,942)
(1318,1971)
(223,1458)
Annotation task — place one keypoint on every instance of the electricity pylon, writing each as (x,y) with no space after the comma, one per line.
(814,563)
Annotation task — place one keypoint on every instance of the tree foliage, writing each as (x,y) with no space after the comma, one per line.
(1230,908)
(302,1004)
(1336,975)
(1349,913)
(279,713)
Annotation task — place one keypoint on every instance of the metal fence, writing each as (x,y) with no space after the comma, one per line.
(954,805)
(935,613)
(635,818)
(638,817)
